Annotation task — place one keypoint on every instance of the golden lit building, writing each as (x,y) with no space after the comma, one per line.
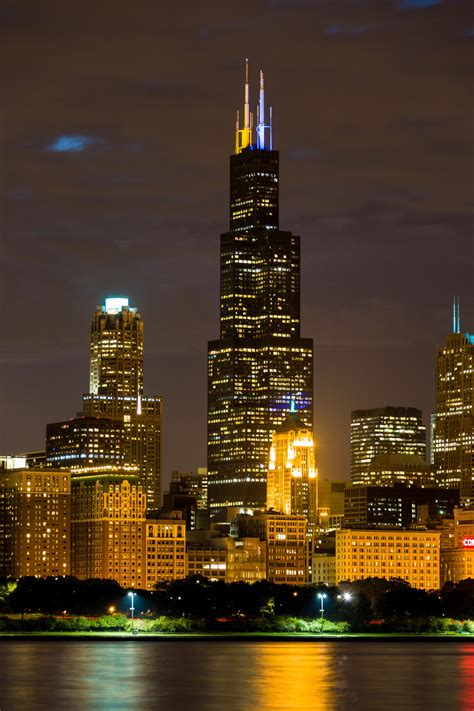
(119,426)
(108,529)
(35,522)
(457,547)
(165,544)
(453,434)
(292,475)
(411,555)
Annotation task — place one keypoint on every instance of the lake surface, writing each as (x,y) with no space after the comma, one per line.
(231,676)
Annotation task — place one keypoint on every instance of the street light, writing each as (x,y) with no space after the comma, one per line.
(132,608)
(321,610)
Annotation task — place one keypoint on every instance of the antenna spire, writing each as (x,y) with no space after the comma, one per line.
(243,136)
(456,315)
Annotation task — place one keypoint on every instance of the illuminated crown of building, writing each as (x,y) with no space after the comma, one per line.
(244,135)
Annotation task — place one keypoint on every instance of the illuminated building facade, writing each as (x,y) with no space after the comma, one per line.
(384,430)
(35,522)
(260,363)
(286,541)
(119,426)
(399,505)
(457,548)
(292,475)
(165,550)
(409,469)
(323,568)
(108,529)
(227,559)
(453,437)
(411,555)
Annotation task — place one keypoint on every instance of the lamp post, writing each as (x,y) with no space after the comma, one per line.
(132,608)
(321,609)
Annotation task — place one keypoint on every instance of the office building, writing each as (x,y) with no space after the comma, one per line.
(457,548)
(108,529)
(411,555)
(35,522)
(292,476)
(390,469)
(384,430)
(399,505)
(331,503)
(260,363)
(165,545)
(286,541)
(453,437)
(118,427)
(323,568)
(225,558)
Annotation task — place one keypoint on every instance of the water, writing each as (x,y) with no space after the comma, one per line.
(235,676)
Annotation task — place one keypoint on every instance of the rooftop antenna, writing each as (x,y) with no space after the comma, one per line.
(456,315)
(243,136)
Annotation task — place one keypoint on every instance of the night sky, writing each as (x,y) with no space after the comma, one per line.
(117,121)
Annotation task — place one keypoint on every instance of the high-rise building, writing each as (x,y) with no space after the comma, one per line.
(292,476)
(453,440)
(390,469)
(260,363)
(119,427)
(399,505)
(384,430)
(35,522)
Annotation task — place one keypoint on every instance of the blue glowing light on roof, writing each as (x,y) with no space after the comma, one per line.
(72,144)
(114,304)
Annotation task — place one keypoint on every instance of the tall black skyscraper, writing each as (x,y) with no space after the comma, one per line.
(259,368)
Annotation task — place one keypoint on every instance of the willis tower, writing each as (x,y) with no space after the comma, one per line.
(260,368)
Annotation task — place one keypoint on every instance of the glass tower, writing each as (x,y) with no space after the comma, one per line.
(384,430)
(260,365)
(453,435)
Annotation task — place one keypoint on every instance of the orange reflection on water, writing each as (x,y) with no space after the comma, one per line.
(466,673)
(295,676)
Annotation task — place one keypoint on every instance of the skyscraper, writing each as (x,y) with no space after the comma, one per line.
(119,427)
(453,436)
(384,430)
(260,363)
(291,481)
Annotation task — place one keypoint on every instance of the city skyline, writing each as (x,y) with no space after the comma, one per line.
(108,214)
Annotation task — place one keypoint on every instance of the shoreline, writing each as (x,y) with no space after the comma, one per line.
(235,637)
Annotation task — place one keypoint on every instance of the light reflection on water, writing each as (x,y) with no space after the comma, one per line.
(235,676)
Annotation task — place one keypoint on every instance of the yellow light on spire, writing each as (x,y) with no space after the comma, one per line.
(243,136)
